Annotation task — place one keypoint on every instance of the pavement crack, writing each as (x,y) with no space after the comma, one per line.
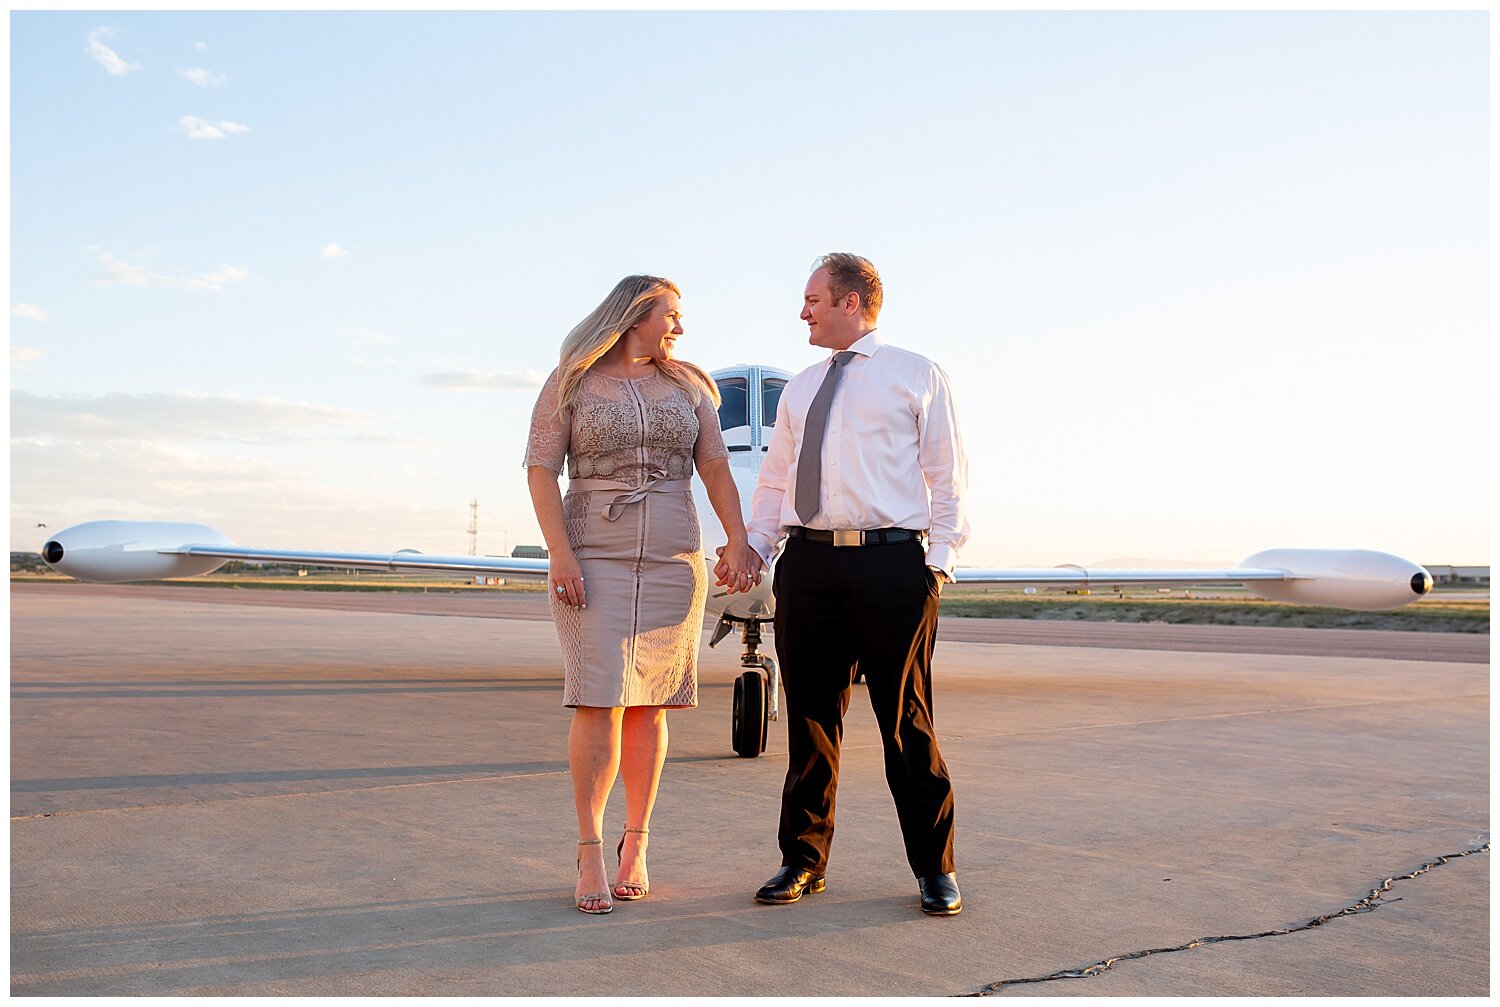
(1368,904)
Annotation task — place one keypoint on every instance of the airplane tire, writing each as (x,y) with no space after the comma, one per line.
(750,715)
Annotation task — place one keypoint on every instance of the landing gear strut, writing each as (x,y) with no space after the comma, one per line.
(755,691)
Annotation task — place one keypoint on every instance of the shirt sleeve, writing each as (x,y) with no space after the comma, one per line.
(765,530)
(547,444)
(940,452)
(710,443)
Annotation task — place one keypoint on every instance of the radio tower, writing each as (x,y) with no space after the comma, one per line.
(474,527)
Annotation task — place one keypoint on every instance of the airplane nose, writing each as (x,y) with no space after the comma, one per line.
(52,552)
(1421,582)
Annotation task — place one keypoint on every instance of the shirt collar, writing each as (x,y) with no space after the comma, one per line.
(867,344)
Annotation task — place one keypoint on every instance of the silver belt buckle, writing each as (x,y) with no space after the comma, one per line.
(848,538)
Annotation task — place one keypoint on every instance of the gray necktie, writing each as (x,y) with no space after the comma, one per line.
(810,461)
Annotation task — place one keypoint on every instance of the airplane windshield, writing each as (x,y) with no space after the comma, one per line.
(770,398)
(734,409)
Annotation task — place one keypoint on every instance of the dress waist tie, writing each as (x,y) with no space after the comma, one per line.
(656,482)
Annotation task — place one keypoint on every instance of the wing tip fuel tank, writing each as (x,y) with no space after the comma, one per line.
(1360,579)
(117,552)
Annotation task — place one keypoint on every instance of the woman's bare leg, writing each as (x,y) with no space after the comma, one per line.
(594,758)
(643,750)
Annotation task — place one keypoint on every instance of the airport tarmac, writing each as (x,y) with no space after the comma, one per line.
(289,793)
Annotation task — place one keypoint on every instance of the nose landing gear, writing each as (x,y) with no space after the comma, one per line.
(755,691)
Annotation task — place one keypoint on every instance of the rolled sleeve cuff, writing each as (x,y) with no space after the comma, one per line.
(942,557)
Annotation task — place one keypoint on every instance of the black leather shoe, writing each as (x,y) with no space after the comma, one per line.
(940,895)
(787,885)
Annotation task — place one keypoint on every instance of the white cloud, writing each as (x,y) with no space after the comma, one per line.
(383,362)
(21,357)
(181,417)
(291,504)
(30,311)
(202,129)
(204,78)
(365,335)
(124,274)
(107,57)
(333,250)
(486,380)
(184,456)
(200,45)
(225,274)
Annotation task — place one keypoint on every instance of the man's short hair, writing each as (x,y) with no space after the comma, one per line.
(851,274)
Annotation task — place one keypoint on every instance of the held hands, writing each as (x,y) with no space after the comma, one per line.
(739,568)
(565,580)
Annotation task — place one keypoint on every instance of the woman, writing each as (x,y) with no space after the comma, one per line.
(627,578)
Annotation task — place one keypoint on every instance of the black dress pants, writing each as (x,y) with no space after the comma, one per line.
(874,607)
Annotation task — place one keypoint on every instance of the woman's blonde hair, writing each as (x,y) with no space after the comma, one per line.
(630,301)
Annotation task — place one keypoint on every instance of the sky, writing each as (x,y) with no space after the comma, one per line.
(1205,284)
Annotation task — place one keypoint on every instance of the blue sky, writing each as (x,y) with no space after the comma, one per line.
(1205,283)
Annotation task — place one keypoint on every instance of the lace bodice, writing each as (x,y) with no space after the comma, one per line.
(622,428)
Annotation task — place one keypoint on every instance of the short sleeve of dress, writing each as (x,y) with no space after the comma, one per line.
(710,443)
(547,444)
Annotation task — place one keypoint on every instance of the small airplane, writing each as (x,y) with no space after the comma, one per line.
(123,551)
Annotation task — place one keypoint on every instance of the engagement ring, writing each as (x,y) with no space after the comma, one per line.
(561,589)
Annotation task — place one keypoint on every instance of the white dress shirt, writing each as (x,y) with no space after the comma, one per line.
(892,455)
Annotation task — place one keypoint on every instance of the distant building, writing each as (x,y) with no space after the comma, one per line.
(537,552)
(1460,576)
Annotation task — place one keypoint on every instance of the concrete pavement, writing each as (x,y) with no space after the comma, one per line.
(266,798)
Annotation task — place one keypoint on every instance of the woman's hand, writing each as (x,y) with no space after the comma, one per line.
(739,567)
(565,579)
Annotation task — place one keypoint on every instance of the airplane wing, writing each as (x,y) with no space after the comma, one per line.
(1079,577)
(114,552)
(1337,578)
(399,561)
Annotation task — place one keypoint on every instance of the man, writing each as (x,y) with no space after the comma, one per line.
(865,461)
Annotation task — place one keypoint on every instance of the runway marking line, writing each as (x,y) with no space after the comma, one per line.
(278,797)
(677,760)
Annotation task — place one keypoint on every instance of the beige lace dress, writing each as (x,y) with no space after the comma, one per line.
(630,445)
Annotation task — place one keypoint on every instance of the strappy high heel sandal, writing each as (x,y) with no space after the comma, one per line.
(635,889)
(592,896)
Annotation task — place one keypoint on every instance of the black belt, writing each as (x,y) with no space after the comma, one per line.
(877,536)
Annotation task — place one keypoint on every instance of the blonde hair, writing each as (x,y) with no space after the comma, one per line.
(853,274)
(630,302)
